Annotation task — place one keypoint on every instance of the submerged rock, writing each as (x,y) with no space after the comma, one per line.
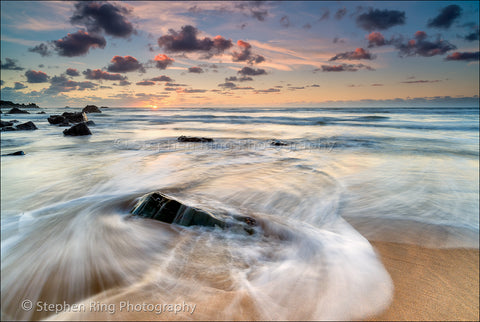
(28,126)
(42,112)
(193,139)
(158,206)
(91,109)
(78,130)
(75,117)
(90,122)
(16,110)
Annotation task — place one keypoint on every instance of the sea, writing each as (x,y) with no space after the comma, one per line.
(322,183)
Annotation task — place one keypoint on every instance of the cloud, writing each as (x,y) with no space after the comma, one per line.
(190,91)
(123,82)
(358,54)
(314,85)
(307,26)
(245,54)
(340,13)
(125,64)
(343,68)
(102,16)
(10,64)
(72,72)
(377,85)
(162,78)
(238,79)
(325,14)
(145,83)
(36,77)
(99,74)
(59,84)
(376,39)
(78,44)
(196,70)
(422,47)
(446,17)
(175,85)
(247,71)
(463,56)
(285,22)
(186,40)
(18,86)
(227,85)
(254,9)
(163,61)
(293,88)
(266,91)
(421,81)
(380,19)
(474,35)
(41,49)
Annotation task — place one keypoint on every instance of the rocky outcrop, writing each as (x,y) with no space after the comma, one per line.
(42,112)
(78,130)
(28,126)
(91,109)
(5,104)
(158,206)
(16,110)
(193,139)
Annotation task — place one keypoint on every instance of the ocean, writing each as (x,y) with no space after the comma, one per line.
(339,178)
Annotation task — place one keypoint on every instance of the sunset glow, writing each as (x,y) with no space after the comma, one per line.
(313,53)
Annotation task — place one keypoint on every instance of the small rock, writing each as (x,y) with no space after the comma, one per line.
(42,112)
(103,106)
(16,110)
(5,123)
(8,128)
(90,122)
(75,117)
(16,153)
(193,139)
(78,130)
(276,142)
(91,109)
(28,126)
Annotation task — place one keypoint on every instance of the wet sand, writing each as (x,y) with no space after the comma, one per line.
(431,284)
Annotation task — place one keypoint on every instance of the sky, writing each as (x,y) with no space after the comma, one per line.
(240,53)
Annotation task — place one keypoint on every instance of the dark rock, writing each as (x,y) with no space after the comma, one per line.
(14,121)
(57,119)
(15,153)
(103,106)
(193,139)
(276,142)
(28,126)
(42,112)
(78,130)
(8,128)
(16,110)
(158,206)
(90,122)
(5,123)
(75,117)
(91,109)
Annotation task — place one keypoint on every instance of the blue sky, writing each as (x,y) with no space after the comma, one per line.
(247,53)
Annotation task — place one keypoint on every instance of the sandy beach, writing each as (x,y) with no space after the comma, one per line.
(431,284)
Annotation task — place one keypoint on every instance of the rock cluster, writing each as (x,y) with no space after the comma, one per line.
(193,139)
